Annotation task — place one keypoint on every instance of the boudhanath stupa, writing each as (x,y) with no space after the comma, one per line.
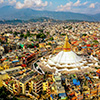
(66,60)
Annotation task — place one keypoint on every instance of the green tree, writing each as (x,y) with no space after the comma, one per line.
(22,35)
(30,46)
(41,35)
(41,30)
(95,41)
(28,33)
(84,34)
(25,36)
(0,40)
(49,43)
(15,33)
(14,98)
(47,33)
(37,45)
(63,34)
(51,38)
(11,32)
(4,93)
(70,27)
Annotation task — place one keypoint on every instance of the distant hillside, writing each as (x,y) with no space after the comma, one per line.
(97,17)
(16,21)
(41,19)
(10,13)
(11,21)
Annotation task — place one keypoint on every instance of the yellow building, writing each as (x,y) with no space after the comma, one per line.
(30,83)
(45,86)
(41,45)
(3,77)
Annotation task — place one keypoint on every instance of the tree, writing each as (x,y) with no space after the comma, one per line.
(14,98)
(11,32)
(47,33)
(37,45)
(0,40)
(15,33)
(41,30)
(28,33)
(22,35)
(63,34)
(41,35)
(70,27)
(95,41)
(49,43)
(51,38)
(30,46)
(84,34)
(4,94)
(25,36)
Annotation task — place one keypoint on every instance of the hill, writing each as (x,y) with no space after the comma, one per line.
(10,13)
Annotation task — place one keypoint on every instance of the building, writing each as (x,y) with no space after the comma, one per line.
(25,82)
(60,88)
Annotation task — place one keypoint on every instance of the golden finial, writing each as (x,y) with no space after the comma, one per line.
(66,47)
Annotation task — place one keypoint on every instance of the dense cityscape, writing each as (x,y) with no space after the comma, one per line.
(50,61)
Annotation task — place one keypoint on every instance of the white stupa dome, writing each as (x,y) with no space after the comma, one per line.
(66,60)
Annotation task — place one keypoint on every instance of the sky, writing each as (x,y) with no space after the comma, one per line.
(76,6)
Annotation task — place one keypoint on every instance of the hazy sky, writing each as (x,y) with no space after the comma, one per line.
(77,6)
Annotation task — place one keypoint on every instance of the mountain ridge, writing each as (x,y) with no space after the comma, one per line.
(11,13)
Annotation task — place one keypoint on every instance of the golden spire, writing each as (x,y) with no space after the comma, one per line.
(66,47)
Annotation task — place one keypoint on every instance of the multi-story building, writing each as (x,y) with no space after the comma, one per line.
(60,88)
(24,82)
